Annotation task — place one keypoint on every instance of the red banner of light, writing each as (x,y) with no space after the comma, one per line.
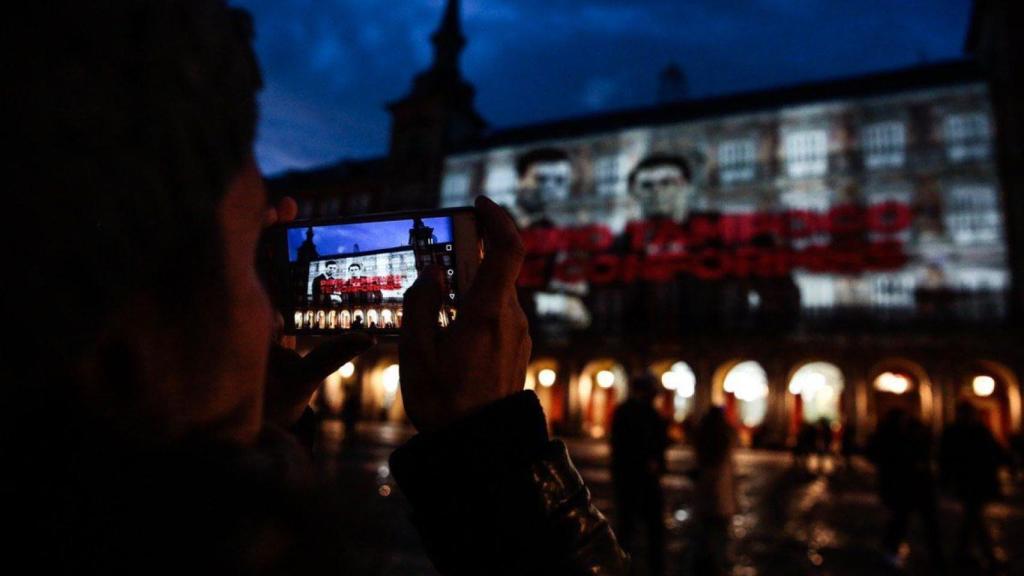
(859,239)
(365,284)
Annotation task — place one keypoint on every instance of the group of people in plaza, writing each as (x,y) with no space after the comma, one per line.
(969,462)
(911,473)
(639,440)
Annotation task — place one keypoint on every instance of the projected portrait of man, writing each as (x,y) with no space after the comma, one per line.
(545,180)
(661,185)
(330,273)
(357,295)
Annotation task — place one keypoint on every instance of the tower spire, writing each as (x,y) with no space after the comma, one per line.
(448,40)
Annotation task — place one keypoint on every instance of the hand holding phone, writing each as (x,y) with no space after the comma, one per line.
(447,374)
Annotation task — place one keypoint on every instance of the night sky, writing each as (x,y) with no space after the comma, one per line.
(342,238)
(331,65)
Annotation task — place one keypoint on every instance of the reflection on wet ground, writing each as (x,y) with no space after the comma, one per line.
(791,522)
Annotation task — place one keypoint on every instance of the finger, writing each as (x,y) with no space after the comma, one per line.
(422,304)
(332,355)
(281,213)
(287,210)
(503,255)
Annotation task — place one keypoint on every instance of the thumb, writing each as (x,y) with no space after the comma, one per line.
(419,324)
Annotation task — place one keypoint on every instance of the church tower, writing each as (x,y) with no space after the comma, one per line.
(437,115)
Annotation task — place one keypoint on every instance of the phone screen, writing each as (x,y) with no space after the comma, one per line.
(352,275)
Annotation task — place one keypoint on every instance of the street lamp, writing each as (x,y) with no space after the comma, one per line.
(605,379)
(681,379)
(892,383)
(347,370)
(983,386)
(547,377)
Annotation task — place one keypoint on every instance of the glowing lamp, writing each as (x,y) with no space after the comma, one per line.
(892,383)
(983,386)
(670,380)
(547,377)
(347,370)
(681,379)
(605,379)
(391,379)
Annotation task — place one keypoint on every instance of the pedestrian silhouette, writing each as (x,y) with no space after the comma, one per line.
(715,497)
(639,438)
(970,459)
(901,452)
(806,441)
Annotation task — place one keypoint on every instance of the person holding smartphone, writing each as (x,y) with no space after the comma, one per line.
(157,433)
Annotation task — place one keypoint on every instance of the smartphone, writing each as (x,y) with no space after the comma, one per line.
(340,275)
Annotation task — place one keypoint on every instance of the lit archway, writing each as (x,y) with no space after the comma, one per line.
(678,391)
(382,394)
(817,391)
(602,386)
(898,383)
(372,318)
(387,317)
(742,389)
(346,319)
(544,377)
(994,390)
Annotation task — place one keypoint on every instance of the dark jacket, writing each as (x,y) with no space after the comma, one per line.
(970,458)
(490,495)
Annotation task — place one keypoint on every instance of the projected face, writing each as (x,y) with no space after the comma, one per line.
(332,270)
(661,190)
(355,271)
(543,183)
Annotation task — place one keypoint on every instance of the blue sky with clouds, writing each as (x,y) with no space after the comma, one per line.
(332,65)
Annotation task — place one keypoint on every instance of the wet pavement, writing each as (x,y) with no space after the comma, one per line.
(790,522)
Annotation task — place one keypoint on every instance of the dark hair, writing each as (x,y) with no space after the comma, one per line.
(355,265)
(661,160)
(532,157)
(330,262)
(130,118)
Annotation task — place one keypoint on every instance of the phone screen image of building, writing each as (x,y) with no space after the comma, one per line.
(354,276)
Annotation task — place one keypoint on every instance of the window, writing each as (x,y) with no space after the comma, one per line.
(892,290)
(359,203)
(884,145)
(608,179)
(455,189)
(972,214)
(330,206)
(500,184)
(806,153)
(968,136)
(817,291)
(737,160)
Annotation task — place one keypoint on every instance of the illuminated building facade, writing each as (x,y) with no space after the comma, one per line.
(827,251)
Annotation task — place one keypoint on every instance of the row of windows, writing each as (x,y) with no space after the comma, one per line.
(967,137)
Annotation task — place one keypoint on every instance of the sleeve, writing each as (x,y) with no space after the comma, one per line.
(493,495)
